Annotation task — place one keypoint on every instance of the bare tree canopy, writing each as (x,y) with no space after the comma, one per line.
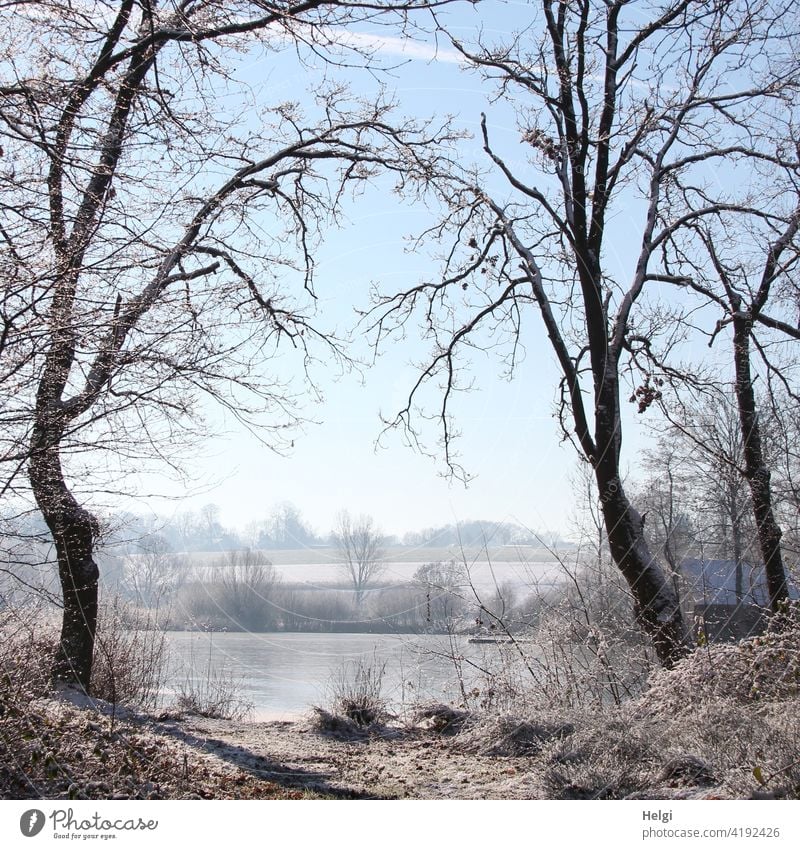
(623,111)
(160,216)
(695,492)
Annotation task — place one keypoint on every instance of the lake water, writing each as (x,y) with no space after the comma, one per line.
(283,675)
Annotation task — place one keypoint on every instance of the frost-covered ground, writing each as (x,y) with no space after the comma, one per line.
(725,723)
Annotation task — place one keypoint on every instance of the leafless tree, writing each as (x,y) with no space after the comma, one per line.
(160,216)
(784,436)
(734,242)
(616,104)
(696,478)
(247,583)
(745,279)
(661,498)
(443,585)
(286,528)
(358,543)
(153,572)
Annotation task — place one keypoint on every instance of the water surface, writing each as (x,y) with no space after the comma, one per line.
(283,675)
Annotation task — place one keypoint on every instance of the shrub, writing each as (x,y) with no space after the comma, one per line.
(130,656)
(758,669)
(215,697)
(357,693)
(129,662)
(27,647)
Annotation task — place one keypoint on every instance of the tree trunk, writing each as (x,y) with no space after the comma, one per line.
(669,531)
(738,547)
(658,608)
(756,471)
(73,529)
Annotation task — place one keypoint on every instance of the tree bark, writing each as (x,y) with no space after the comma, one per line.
(737,545)
(657,602)
(658,607)
(73,529)
(756,471)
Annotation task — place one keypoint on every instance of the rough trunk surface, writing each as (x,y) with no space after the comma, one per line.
(73,530)
(756,471)
(658,608)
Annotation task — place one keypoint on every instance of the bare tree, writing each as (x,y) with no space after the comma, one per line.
(286,528)
(153,573)
(785,438)
(734,239)
(616,103)
(748,279)
(661,496)
(246,587)
(358,542)
(156,206)
(443,585)
(695,492)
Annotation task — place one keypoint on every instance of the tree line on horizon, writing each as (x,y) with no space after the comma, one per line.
(285,528)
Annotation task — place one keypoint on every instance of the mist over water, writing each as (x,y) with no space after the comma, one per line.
(484,576)
(284,673)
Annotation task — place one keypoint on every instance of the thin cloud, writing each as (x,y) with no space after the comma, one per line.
(391,45)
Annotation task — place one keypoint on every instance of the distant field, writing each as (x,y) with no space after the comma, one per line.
(399,554)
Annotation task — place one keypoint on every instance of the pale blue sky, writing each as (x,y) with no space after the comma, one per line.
(510,441)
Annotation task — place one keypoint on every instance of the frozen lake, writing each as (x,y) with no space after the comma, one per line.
(283,675)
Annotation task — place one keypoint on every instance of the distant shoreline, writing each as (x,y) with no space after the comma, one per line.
(317,556)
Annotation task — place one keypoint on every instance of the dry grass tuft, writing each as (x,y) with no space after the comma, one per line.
(357,696)
(509,736)
(441,718)
(336,725)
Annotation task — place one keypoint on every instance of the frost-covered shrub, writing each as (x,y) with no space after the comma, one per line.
(762,668)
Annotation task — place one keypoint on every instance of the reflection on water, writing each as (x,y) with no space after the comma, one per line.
(283,675)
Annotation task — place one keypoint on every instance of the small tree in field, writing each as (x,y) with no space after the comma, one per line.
(246,584)
(358,543)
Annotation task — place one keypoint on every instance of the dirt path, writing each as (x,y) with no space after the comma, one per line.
(393,764)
